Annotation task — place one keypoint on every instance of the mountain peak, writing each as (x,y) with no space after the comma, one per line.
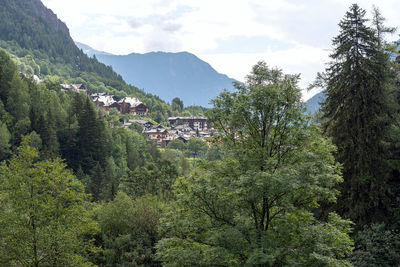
(168,74)
(89,50)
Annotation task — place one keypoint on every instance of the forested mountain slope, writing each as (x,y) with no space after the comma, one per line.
(41,45)
(30,25)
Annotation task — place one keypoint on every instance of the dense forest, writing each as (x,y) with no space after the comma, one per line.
(274,186)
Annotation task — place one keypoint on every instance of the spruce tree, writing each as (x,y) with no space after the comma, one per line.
(356,115)
(7,71)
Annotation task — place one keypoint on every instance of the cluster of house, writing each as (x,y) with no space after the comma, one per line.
(125,105)
(182,128)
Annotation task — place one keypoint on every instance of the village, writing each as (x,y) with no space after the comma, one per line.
(181,128)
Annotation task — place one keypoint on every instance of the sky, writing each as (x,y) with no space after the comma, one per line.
(231,35)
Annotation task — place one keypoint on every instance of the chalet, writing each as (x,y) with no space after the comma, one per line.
(78,88)
(106,102)
(196,123)
(95,95)
(133,106)
(158,135)
(143,123)
(182,129)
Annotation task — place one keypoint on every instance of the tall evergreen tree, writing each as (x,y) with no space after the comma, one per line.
(356,114)
(7,71)
(91,136)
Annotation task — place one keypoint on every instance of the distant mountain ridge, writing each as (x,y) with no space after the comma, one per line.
(168,75)
(90,51)
(313,104)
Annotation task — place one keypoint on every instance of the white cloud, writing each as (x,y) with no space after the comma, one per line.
(303,60)
(134,23)
(205,28)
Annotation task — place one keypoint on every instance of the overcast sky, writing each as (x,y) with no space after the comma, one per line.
(231,35)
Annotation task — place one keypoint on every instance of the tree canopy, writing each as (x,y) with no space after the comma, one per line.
(45,212)
(254,207)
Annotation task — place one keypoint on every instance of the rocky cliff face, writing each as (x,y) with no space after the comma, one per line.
(41,11)
(26,14)
(32,26)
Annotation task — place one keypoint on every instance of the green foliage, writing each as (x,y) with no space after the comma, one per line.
(358,115)
(7,72)
(4,141)
(252,196)
(214,152)
(18,98)
(91,147)
(155,178)
(129,231)
(109,183)
(376,246)
(68,125)
(178,159)
(194,110)
(254,207)
(176,144)
(196,147)
(44,214)
(177,104)
(136,127)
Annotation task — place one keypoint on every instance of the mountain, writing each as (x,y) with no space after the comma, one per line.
(168,75)
(25,21)
(40,44)
(90,51)
(313,103)
(28,27)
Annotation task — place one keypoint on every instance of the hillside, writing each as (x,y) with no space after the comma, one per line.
(28,27)
(40,44)
(168,75)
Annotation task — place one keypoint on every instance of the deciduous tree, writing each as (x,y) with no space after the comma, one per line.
(254,207)
(44,213)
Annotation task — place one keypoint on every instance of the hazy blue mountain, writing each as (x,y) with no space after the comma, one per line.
(90,51)
(168,75)
(314,102)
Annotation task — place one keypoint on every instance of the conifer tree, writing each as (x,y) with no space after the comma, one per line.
(7,71)
(91,136)
(356,114)
(97,177)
